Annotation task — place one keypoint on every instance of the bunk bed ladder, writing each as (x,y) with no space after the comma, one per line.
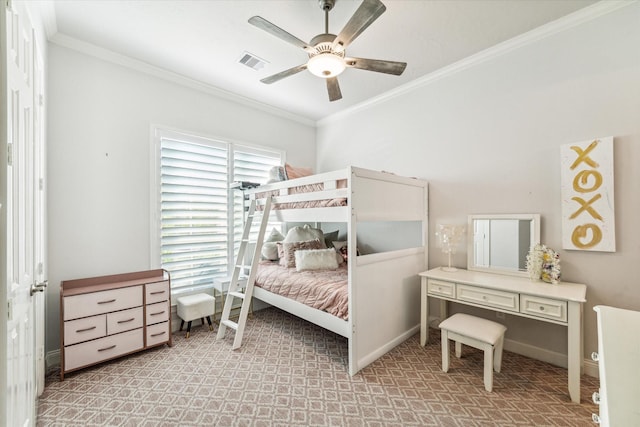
(235,289)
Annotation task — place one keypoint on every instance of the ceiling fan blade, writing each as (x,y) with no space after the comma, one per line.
(364,16)
(282,74)
(333,87)
(274,30)
(377,65)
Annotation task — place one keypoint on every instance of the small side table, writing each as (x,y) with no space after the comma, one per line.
(221,286)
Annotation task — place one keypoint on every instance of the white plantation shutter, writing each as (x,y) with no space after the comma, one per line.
(201,219)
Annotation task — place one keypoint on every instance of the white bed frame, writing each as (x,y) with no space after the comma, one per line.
(384,288)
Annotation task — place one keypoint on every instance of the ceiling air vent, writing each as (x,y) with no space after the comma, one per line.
(252,61)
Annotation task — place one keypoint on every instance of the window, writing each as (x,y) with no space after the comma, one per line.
(199,218)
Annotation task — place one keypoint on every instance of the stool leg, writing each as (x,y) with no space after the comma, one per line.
(209,321)
(488,367)
(497,357)
(188,328)
(445,351)
(181,324)
(458,349)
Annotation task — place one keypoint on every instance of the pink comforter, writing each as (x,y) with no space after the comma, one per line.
(325,290)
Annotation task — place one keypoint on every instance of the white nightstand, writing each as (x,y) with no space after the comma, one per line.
(221,287)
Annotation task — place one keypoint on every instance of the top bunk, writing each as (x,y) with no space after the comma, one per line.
(347,194)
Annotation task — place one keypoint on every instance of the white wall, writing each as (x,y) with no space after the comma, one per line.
(487,138)
(99,159)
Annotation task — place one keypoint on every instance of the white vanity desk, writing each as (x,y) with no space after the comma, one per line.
(560,304)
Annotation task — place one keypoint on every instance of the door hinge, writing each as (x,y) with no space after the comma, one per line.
(40,268)
(8,4)
(10,154)
(9,310)
(41,184)
(41,99)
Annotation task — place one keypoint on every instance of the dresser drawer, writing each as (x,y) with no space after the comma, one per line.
(544,307)
(124,320)
(157,292)
(158,333)
(87,353)
(438,288)
(102,302)
(488,297)
(86,329)
(157,313)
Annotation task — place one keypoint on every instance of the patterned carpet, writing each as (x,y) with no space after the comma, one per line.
(292,373)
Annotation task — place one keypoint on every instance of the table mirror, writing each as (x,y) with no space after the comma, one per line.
(500,243)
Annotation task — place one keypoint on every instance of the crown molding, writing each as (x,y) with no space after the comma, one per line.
(574,19)
(143,67)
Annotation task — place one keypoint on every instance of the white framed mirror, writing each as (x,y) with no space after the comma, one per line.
(500,243)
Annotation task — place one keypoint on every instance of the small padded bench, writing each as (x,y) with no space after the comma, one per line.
(478,333)
(197,306)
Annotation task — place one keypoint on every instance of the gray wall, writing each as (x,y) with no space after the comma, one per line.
(488,139)
(99,160)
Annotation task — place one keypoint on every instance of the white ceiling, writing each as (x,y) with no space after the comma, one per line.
(203,40)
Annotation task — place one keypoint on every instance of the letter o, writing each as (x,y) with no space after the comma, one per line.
(580,232)
(582,178)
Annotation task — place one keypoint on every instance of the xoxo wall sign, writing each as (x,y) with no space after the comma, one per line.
(588,216)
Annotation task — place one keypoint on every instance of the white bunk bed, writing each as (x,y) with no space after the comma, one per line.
(384,287)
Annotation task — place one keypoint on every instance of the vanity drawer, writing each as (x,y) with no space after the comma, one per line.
(124,320)
(156,292)
(445,289)
(87,353)
(102,302)
(488,297)
(157,313)
(158,333)
(544,307)
(86,329)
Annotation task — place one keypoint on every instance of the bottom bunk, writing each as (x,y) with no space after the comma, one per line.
(320,296)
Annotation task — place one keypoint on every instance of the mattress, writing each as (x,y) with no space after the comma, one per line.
(309,188)
(325,290)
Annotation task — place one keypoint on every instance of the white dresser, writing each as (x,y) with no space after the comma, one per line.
(618,360)
(105,317)
(560,304)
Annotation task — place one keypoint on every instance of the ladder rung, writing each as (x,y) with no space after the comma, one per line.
(230,323)
(243,266)
(237,294)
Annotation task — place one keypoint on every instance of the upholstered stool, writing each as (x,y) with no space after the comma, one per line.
(197,306)
(478,333)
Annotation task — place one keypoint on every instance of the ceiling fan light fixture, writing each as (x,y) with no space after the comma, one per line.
(326,65)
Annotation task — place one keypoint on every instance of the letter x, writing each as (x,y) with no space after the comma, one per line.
(583,155)
(586,206)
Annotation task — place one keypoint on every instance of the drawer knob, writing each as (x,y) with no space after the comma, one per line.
(107,348)
(107,301)
(85,329)
(595,397)
(541,308)
(484,297)
(595,357)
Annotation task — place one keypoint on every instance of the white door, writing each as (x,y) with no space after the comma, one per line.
(19,179)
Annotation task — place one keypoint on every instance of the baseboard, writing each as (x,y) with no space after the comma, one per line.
(381,351)
(52,360)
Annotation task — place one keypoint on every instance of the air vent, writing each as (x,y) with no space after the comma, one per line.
(252,61)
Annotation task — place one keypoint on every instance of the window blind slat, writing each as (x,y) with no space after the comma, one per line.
(196,213)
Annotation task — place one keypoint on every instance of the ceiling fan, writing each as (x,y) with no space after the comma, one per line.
(326,51)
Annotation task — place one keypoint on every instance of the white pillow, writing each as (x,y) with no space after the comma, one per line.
(303,234)
(316,259)
(269,247)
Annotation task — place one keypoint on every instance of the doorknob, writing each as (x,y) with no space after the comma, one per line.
(38,287)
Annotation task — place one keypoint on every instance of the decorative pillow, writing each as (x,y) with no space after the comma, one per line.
(294,172)
(277,174)
(341,248)
(330,237)
(318,259)
(270,247)
(289,254)
(301,234)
